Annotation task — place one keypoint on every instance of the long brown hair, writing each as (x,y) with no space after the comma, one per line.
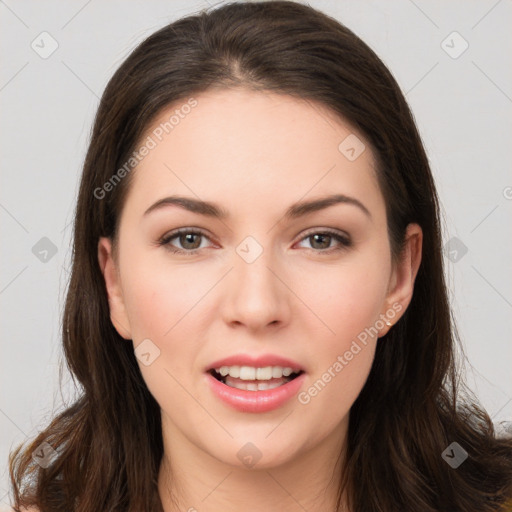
(109,442)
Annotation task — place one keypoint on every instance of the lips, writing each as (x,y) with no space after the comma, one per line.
(245,383)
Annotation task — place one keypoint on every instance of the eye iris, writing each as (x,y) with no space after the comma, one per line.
(184,241)
(314,237)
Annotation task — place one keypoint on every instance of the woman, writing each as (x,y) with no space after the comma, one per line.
(299,353)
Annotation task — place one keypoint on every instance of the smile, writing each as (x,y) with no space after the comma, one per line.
(251,389)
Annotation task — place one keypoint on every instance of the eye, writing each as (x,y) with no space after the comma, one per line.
(322,240)
(188,238)
(190,241)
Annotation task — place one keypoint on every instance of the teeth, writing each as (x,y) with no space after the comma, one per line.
(251,373)
(264,373)
(251,386)
(277,372)
(247,373)
(234,371)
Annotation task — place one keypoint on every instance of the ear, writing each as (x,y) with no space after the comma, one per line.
(110,273)
(401,284)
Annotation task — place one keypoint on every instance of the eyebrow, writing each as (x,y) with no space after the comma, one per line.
(296,210)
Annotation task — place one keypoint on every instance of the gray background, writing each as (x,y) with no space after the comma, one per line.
(461,101)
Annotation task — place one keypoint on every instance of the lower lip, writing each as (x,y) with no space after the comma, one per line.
(255,401)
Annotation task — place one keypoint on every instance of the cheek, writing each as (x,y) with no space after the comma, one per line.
(163,304)
(160,306)
(342,359)
(329,395)
(158,298)
(349,302)
(347,299)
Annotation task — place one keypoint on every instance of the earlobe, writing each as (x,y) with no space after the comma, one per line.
(404,275)
(108,268)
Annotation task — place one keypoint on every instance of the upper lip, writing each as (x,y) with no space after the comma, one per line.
(256,361)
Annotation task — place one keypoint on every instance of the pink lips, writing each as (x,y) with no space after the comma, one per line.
(255,401)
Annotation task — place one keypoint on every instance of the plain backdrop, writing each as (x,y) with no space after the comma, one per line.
(451,59)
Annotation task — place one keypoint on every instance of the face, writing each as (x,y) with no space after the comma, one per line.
(263,282)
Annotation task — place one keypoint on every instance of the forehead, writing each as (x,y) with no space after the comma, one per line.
(243,146)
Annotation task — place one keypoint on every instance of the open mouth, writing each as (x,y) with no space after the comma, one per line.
(269,380)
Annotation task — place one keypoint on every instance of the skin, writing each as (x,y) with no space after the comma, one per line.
(254,154)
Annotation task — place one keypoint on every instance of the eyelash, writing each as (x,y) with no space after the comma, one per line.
(344,241)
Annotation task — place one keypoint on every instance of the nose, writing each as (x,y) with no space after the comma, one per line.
(257,296)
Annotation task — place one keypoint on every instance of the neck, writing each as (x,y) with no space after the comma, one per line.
(192,480)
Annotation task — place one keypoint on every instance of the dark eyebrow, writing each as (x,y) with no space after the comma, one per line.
(303,208)
(294,211)
(190,204)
